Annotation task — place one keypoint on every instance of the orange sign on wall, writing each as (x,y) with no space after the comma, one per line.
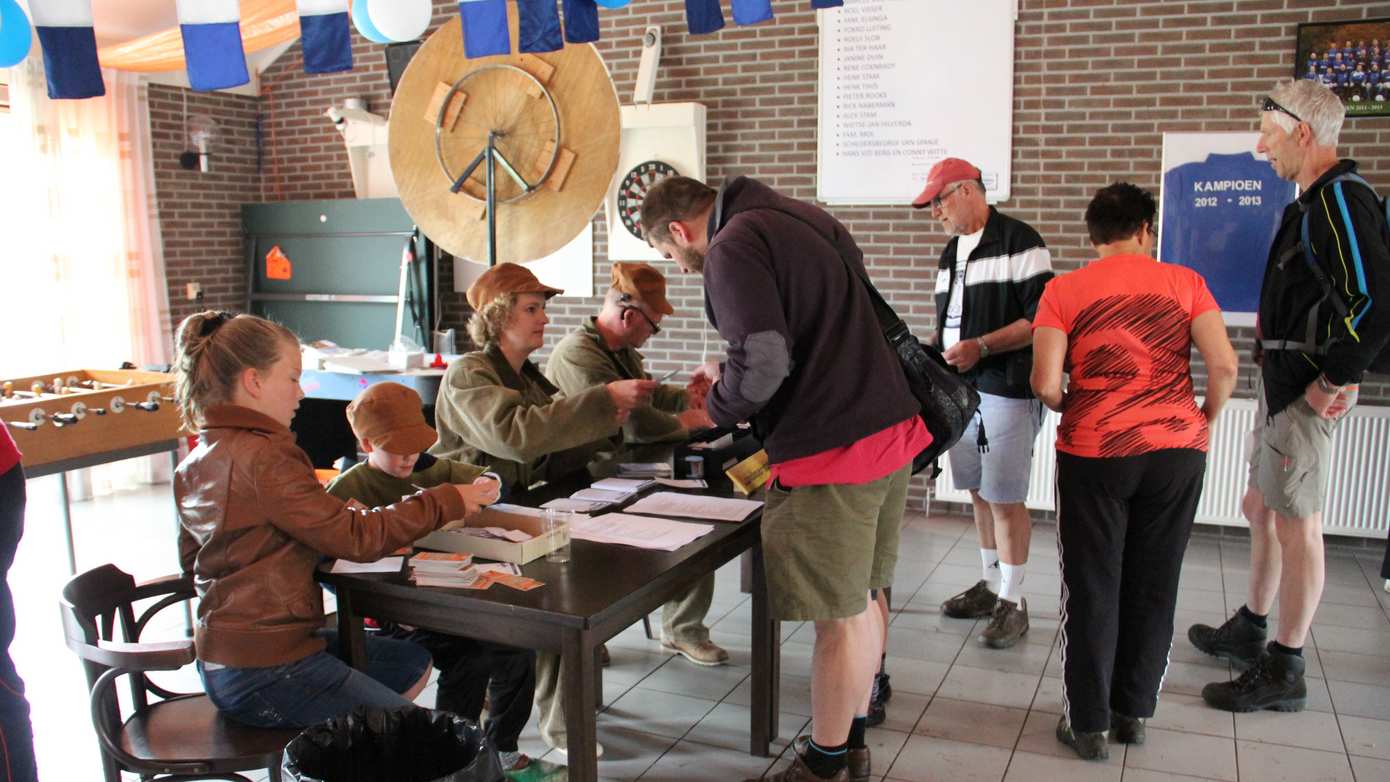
(277,265)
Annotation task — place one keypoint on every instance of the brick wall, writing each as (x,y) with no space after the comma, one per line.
(200,213)
(1096,84)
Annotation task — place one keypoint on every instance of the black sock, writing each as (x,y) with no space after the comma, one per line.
(1259,620)
(882,661)
(1282,649)
(824,762)
(856,732)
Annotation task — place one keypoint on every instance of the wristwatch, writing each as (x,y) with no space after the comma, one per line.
(984,348)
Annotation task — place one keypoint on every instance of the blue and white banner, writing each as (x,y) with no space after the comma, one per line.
(484,28)
(703,16)
(581,21)
(324,32)
(538,29)
(69,48)
(212,44)
(827,3)
(752,11)
(1221,208)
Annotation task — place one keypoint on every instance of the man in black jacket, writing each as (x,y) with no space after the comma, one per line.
(989,280)
(1323,319)
(808,365)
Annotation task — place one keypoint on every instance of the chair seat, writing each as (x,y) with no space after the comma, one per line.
(192,729)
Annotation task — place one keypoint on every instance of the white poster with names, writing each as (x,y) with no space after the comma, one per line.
(905,83)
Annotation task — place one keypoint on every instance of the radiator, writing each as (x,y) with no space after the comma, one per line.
(1358,495)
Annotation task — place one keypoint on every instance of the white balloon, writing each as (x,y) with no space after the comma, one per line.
(400,20)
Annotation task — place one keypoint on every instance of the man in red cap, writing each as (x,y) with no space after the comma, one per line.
(990,278)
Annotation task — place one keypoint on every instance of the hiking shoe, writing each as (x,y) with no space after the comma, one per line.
(883,687)
(1274,682)
(1090,746)
(798,771)
(706,652)
(857,763)
(1239,641)
(1127,730)
(1009,623)
(976,602)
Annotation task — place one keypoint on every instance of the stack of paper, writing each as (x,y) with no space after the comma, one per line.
(385,565)
(498,533)
(458,579)
(440,561)
(668,503)
(571,504)
(638,531)
(612,490)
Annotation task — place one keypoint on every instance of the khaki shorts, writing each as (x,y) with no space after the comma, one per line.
(825,547)
(1288,458)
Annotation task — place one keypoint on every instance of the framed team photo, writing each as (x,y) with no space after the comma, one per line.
(1352,58)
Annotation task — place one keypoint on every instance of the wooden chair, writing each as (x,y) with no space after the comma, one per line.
(179,736)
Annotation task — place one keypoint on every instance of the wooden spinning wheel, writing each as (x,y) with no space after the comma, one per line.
(549,122)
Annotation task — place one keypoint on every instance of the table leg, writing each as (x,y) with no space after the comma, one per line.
(67,523)
(352,639)
(577,653)
(767,656)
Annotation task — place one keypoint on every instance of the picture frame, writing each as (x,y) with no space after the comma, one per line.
(1350,57)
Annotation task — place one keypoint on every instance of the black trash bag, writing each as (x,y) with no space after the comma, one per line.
(393,745)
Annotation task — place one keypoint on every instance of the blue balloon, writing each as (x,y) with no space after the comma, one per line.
(15,34)
(363,20)
(612,3)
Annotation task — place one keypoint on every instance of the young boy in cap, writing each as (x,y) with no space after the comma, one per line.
(390,427)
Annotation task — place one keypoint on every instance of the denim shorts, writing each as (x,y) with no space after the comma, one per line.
(318,687)
(1002,473)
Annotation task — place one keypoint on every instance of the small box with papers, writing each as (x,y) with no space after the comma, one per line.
(506,533)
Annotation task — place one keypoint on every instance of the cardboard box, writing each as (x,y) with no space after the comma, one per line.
(528,520)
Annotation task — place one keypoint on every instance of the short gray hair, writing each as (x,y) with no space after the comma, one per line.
(1315,104)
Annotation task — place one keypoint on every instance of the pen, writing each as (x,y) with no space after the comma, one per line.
(667,376)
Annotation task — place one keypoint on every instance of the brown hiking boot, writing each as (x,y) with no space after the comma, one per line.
(857,762)
(1009,623)
(798,771)
(974,603)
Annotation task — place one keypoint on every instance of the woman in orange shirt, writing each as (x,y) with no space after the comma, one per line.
(1131,452)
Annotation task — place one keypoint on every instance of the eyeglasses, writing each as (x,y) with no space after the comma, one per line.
(655,328)
(1271,104)
(945,194)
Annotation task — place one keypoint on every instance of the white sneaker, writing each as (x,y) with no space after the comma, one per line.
(561,754)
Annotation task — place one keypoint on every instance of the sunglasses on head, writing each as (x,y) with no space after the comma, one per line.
(1271,104)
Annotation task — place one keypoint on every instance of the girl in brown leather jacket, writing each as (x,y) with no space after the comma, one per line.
(255,523)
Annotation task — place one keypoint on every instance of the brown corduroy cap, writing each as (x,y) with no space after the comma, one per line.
(642,282)
(502,279)
(390,417)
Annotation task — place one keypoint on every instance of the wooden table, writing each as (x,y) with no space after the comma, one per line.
(601,591)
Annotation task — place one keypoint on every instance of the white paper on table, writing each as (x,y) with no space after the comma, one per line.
(600,495)
(384,565)
(683,483)
(666,503)
(578,506)
(639,531)
(628,485)
(514,535)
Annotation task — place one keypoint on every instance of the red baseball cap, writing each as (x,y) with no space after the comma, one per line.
(951,169)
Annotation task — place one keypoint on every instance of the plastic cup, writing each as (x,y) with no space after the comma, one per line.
(557,523)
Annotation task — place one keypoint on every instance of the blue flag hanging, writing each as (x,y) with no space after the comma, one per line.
(581,21)
(69,48)
(539,27)
(703,16)
(212,44)
(752,11)
(484,28)
(827,3)
(323,29)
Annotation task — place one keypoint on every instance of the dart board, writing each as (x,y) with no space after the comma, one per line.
(634,188)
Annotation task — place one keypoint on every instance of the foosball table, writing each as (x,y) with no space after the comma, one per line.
(84,417)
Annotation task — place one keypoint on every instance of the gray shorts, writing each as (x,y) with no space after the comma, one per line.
(1002,473)
(1288,455)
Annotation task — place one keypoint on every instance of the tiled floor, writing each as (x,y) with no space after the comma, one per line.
(959,712)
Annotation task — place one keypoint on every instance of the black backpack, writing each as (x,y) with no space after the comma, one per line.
(1310,344)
